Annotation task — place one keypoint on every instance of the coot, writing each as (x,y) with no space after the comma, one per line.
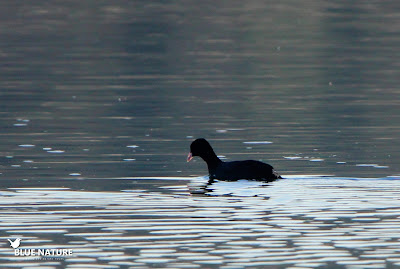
(236,170)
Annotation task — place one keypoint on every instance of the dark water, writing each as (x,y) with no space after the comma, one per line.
(100,100)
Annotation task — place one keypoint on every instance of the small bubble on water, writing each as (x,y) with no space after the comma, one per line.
(292,157)
(316,160)
(26,146)
(367,164)
(56,151)
(23,120)
(257,142)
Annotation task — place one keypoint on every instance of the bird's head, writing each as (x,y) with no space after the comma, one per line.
(200,147)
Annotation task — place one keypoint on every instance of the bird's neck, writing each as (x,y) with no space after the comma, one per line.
(212,161)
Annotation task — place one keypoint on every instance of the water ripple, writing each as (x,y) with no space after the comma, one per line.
(302,221)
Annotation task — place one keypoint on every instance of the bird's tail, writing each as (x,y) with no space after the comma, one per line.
(9,240)
(277,176)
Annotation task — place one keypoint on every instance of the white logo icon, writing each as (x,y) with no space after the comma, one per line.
(16,243)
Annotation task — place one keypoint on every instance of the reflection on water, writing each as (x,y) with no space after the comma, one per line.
(97,98)
(302,221)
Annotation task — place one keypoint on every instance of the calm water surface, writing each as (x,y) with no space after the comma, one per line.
(99,103)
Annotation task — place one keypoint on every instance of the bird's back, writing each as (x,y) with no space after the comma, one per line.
(249,169)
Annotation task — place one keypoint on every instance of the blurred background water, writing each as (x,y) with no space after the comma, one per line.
(96,92)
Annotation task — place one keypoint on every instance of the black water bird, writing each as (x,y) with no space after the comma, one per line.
(230,171)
